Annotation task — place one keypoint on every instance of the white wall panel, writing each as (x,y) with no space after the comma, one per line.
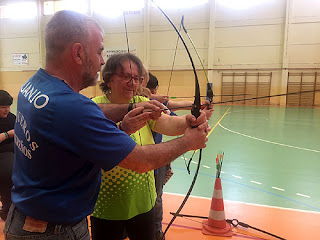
(119,41)
(248,55)
(305,8)
(304,54)
(168,39)
(133,21)
(195,15)
(305,33)
(18,28)
(265,35)
(259,10)
(163,59)
(20,45)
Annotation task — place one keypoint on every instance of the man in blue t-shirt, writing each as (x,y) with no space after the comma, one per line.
(62,138)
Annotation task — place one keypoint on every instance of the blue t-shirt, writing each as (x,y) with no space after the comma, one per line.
(62,140)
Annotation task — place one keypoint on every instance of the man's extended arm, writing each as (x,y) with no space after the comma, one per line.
(116,112)
(149,157)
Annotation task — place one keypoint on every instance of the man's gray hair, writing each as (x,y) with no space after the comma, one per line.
(66,28)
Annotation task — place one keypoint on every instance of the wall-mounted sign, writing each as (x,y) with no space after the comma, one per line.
(110,52)
(20,58)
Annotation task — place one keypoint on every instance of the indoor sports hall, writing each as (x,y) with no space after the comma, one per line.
(259,175)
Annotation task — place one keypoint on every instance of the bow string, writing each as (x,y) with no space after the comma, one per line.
(195,111)
(209,87)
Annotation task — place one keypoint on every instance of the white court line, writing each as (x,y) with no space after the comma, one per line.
(259,183)
(246,203)
(302,195)
(237,176)
(280,189)
(223,172)
(259,139)
(194,162)
(206,166)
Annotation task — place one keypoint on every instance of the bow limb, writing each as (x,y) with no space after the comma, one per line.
(126,30)
(174,59)
(195,112)
(197,104)
(128,49)
(209,87)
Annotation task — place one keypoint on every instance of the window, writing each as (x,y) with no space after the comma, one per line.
(4,12)
(51,7)
(22,10)
(166,4)
(112,8)
(243,4)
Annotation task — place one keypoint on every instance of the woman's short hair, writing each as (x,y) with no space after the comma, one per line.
(113,64)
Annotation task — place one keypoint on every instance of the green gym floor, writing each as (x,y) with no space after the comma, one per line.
(270,178)
(271,157)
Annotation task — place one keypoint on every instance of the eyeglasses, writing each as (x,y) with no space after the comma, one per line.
(128,77)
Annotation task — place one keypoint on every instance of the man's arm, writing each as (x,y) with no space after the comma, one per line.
(145,158)
(116,112)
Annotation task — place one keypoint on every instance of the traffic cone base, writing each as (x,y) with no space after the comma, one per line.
(216,223)
(210,230)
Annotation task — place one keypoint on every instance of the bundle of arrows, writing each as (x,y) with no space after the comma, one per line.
(219,161)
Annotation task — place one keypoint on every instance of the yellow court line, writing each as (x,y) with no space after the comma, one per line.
(218,122)
(216,125)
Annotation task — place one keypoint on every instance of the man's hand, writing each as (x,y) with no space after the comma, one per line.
(196,138)
(153,107)
(193,122)
(134,120)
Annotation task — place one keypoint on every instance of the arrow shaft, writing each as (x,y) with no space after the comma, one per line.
(224,95)
(247,99)
(277,95)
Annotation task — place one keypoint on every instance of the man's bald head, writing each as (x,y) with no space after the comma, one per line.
(64,29)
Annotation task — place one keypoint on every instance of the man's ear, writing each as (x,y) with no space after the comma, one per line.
(78,54)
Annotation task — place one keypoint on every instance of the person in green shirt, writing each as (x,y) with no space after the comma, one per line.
(127,198)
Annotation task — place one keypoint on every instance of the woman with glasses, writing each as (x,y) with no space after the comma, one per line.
(127,198)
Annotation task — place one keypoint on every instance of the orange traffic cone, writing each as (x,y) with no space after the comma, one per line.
(216,223)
